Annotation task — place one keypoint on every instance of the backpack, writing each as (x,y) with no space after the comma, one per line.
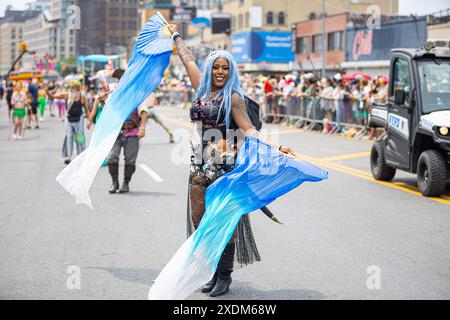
(253,114)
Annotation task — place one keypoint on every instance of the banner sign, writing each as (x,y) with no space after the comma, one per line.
(262,46)
(364,44)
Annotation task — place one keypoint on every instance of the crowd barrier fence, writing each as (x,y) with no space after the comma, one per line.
(308,113)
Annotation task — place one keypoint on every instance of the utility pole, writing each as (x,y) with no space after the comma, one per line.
(324,50)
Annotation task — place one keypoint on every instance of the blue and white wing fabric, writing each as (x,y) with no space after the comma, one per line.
(145,70)
(262,175)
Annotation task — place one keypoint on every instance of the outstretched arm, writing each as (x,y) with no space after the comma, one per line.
(93,113)
(85,106)
(61,95)
(240,115)
(188,60)
(151,100)
(243,122)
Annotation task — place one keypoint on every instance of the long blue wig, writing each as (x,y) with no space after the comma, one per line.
(233,83)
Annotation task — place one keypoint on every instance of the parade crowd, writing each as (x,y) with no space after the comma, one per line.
(340,104)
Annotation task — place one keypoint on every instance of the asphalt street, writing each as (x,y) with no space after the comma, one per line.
(349,237)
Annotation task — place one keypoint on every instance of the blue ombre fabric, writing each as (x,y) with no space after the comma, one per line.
(145,70)
(262,175)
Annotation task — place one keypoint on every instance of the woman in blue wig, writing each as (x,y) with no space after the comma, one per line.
(219,106)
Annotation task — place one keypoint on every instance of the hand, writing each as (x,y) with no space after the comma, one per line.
(173,28)
(141,133)
(89,125)
(288,151)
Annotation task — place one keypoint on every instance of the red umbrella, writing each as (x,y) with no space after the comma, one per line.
(352,76)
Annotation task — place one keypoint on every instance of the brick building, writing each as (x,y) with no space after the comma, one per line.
(308,42)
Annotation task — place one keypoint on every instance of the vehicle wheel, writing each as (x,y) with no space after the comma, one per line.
(380,170)
(431,173)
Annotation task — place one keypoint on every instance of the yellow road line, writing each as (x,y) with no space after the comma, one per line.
(323,162)
(363,175)
(342,167)
(406,185)
(347,156)
(282,132)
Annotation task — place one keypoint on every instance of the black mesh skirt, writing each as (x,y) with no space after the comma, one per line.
(246,249)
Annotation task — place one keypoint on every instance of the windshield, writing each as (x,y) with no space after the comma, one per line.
(435,85)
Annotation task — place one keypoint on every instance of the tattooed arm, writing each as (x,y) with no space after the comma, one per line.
(188,60)
(240,115)
(243,122)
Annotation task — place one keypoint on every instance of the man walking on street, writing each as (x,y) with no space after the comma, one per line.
(132,130)
(33,91)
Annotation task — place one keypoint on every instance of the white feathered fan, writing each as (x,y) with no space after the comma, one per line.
(155,37)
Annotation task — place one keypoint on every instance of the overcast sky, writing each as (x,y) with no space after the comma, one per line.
(419,7)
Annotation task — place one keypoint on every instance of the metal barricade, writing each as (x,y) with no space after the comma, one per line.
(315,113)
(308,113)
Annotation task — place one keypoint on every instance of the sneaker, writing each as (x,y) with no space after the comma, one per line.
(37,127)
(14,137)
(67,161)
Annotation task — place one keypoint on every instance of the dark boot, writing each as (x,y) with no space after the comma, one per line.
(224,270)
(171,140)
(129,170)
(210,285)
(114,172)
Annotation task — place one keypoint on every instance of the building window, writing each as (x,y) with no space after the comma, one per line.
(317,43)
(114,12)
(240,21)
(247,20)
(233,23)
(281,18)
(301,45)
(269,19)
(335,41)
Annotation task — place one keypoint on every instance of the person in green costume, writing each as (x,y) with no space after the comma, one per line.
(97,107)
(19,101)
(42,99)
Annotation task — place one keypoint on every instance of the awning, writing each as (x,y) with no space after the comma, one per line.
(97,58)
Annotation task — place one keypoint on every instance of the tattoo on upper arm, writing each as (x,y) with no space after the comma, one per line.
(184,52)
(237,101)
(240,109)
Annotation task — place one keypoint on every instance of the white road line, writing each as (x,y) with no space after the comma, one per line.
(151,173)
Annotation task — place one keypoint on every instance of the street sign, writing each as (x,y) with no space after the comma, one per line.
(183,13)
(262,46)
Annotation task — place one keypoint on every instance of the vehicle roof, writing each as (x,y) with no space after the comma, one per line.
(419,53)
